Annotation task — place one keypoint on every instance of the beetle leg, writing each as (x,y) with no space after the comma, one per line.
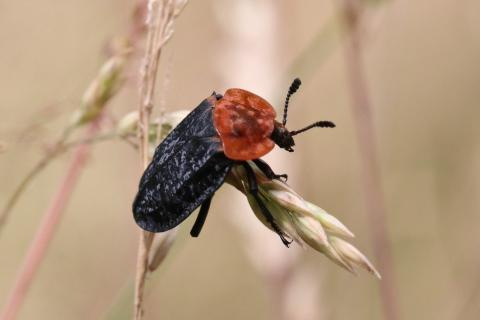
(265,168)
(202,215)
(253,186)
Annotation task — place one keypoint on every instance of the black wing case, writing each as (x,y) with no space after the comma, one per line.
(187,168)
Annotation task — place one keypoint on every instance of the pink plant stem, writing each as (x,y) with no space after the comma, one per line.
(45,232)
(362,112)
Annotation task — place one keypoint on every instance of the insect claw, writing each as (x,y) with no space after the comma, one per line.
(285,241)
(280,234)
(281,177)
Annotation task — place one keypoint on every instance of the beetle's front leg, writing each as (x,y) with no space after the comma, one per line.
(265,168)
(253,188)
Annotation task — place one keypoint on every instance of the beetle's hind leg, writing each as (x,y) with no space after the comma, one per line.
(253,186)
(202,215)
(265,168)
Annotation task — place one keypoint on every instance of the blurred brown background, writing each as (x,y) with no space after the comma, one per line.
(421,61)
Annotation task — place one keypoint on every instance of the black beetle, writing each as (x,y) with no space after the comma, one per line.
(195,158)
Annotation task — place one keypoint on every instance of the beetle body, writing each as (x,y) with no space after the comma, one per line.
(186,169)
(193,161)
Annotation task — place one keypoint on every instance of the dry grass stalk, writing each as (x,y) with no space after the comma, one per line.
(39,244)
(99,93)
(161,15)
(13,199)
(370,171)
(101,90)
(107,83)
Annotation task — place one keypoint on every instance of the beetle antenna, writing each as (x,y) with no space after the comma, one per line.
(319,124)
(293,88)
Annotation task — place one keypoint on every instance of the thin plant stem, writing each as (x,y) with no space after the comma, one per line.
(362,112)
(145,109)
(17,193)
(144,245)
(20,189)
(160,17)
(50,220)
(52,216)
(99,138)
(59,148)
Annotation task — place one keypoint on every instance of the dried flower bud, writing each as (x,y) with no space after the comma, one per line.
(128,124)
(301,220)
(353,255)
(170,120)
(331,224)
(101,89)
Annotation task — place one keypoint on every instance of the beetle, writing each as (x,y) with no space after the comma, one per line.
(193,161)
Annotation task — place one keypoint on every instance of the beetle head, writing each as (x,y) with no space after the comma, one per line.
(284,138)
